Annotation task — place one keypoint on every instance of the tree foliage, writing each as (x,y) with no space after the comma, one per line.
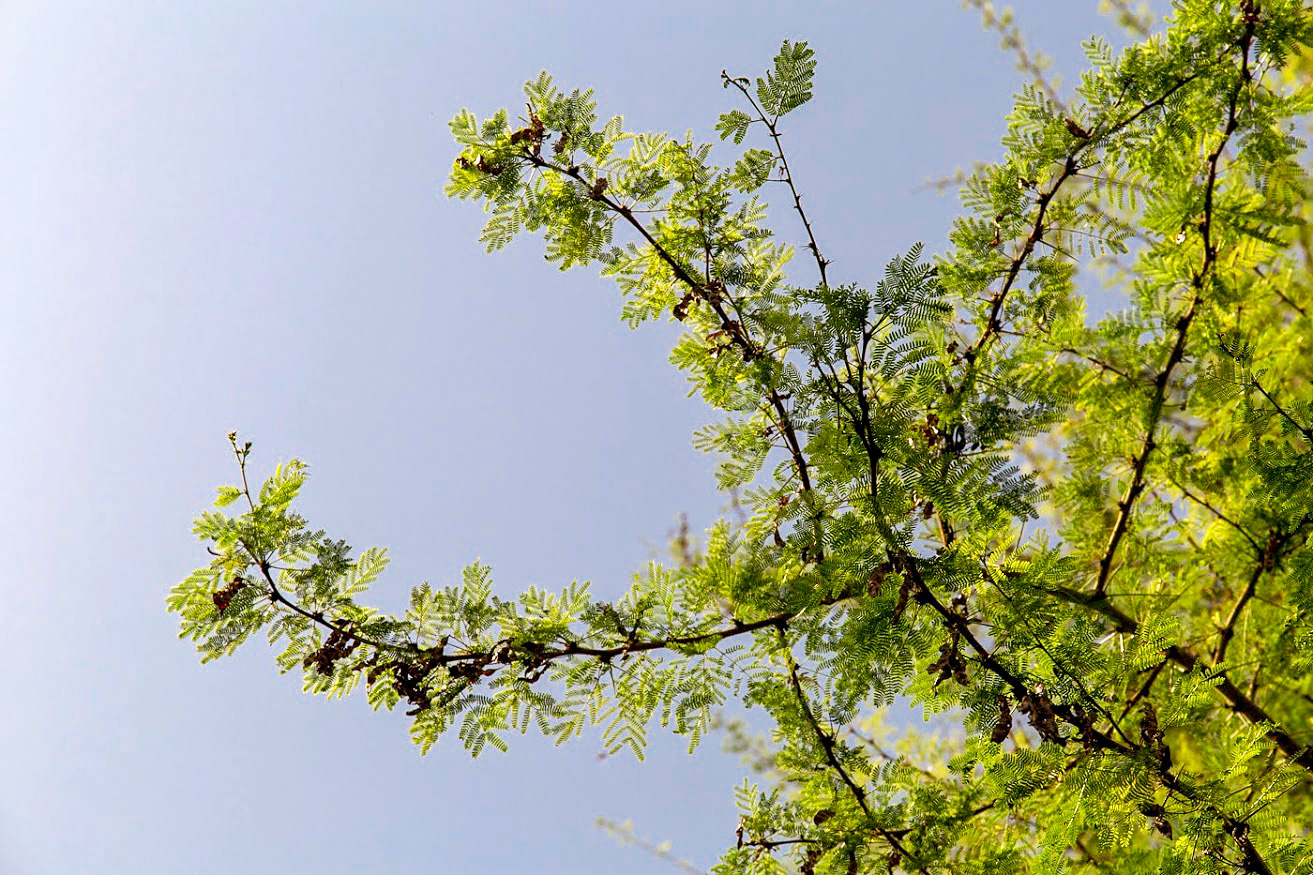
(1086,545)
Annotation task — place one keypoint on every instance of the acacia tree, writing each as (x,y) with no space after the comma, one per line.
(1088,546)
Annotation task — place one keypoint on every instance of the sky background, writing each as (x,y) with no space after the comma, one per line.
(219,216)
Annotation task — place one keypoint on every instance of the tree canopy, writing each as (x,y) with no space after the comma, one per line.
(1082,541)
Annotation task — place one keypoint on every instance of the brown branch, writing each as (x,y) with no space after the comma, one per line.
(826,739)
(828,742)
(993,324)
(1143,690)
(1228,629)
(1221,516)
(276,596)
(1060,668)
(1235,827)
(733,328)
(1070,168)
(769,844)
(1141,462)
(821,261)
(960,626)
(1099,363)
(785,423)
(1280,294)
(1187,659)
(1197,283)
(1302,429)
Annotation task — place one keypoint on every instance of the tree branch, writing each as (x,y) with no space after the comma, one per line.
(827,742)
(1267,562)
(821,261)
(1197,283)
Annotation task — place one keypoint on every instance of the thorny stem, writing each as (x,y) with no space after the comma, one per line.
(821,261)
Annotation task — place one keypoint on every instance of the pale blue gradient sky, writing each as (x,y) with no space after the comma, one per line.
(227,215)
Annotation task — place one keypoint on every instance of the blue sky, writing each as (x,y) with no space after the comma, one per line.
(228,215)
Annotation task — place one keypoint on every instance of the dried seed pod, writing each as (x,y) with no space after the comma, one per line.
(875,582)
(1075,129)
(1150,734)
(904,592)
(1003,727)
(223,597)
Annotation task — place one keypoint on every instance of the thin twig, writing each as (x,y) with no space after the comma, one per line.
(821,261)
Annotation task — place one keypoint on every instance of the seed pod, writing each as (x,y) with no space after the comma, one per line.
(1075,129)
(1003,727)
(1150,734)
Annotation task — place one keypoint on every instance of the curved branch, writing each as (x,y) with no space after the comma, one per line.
(733,328)
(828,742)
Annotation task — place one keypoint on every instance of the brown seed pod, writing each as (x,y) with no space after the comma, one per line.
(875,582)
(1150,734)
(223,597)
(1075,129)
(1003,727)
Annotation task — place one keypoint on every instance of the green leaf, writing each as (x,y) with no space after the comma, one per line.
(789,84)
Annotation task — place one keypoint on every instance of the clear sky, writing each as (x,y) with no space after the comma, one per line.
(220,216)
